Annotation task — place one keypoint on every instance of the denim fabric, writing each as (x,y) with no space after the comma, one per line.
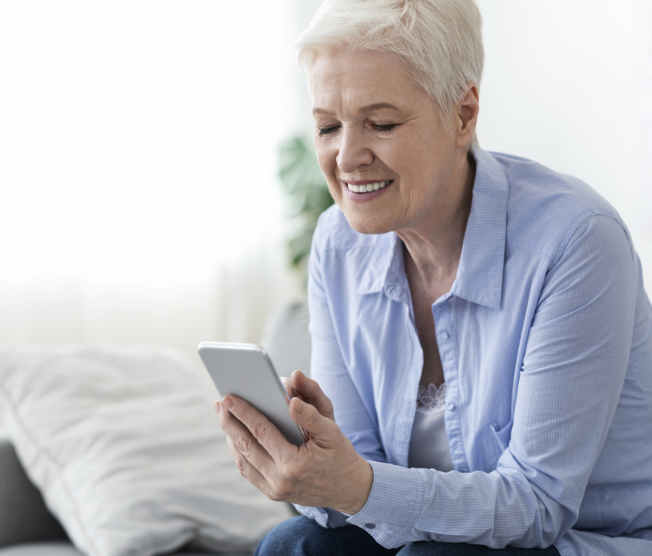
(301,536)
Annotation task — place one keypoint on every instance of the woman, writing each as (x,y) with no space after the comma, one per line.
(446,272)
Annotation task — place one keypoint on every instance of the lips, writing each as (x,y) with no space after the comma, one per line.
(366,187)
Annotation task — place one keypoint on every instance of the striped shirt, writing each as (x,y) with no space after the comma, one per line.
(545,338)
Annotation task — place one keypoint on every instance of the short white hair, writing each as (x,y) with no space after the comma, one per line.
(440,40)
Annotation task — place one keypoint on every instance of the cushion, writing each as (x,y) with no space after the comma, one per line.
(23,515)
(53,548)
(286,338)
(126,449)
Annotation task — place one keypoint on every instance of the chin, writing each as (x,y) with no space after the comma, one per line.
(366,225)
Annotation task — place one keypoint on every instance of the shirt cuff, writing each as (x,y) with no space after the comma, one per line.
(327,518)
(393,506)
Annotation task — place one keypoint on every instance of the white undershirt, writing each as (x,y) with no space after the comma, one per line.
(428,442)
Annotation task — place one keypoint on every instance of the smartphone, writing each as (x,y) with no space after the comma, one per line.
(246,371)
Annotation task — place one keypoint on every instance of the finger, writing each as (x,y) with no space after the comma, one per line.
(323,430)
(245,468)
(310,391)
(243,439)
(254,476)
(287,383)
(261,429)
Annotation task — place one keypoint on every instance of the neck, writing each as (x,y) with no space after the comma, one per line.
(434,247)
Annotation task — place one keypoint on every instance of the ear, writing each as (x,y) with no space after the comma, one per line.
(467,115)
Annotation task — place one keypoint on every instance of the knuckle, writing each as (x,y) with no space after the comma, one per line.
(314,416)
(273,496)
(239,462)
(243,445)
(283,488)
(293,469)
(260,432)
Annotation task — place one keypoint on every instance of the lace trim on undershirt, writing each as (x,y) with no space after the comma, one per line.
(431,397)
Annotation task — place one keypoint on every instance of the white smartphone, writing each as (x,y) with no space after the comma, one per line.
(246,371)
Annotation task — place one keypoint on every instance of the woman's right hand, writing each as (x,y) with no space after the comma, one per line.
(325,471)
(306,389)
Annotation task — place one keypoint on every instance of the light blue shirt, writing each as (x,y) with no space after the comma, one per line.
(546,344)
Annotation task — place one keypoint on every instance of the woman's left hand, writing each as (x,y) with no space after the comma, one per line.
(325,471)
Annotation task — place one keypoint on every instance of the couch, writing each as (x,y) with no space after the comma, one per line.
(27,528)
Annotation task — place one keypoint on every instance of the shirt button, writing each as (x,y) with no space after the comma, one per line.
(451,406)
(444,335)
(370,525)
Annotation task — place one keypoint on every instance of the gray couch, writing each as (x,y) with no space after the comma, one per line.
(27,528)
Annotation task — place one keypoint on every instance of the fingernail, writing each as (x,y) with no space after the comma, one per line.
(298,405)
(228,401)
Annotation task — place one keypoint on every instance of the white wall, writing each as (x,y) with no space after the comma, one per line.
(138,170)
(569,83)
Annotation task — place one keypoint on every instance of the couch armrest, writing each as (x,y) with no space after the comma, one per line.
(23,515)
(286,338)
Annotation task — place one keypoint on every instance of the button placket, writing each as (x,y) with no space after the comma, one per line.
(442,312)
(405,419)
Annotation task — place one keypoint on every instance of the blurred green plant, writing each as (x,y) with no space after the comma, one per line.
(308,196)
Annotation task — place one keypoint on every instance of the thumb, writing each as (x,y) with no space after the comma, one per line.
(287,384)
(311,393)
(314,423)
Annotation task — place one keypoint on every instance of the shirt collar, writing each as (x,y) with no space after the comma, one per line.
(384,266)
(480,272)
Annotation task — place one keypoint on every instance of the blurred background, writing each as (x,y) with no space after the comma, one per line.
(139,151)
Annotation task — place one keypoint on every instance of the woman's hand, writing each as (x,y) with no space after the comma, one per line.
(300,386)
(325,471)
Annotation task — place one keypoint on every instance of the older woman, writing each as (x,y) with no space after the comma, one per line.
(479,322)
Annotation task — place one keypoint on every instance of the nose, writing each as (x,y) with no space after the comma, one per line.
(353,152)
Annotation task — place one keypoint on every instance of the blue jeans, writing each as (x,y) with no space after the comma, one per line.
(301,536)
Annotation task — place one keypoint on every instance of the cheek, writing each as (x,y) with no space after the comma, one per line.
(322,158)
(326,159)
(395,157)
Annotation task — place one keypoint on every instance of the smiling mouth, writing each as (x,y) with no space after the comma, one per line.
(368,187)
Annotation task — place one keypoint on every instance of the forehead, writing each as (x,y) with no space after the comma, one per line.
(347,81)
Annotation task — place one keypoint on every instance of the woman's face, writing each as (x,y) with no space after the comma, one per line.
(375,126)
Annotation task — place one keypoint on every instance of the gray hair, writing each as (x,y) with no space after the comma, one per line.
(440,40)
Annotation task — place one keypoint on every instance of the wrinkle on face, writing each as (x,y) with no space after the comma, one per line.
(420,154)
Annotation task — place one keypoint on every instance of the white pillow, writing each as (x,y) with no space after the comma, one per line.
(127,451)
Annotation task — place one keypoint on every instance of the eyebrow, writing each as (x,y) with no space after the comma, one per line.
(363,110)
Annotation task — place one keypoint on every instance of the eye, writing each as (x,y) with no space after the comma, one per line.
(384,127)
(326,130)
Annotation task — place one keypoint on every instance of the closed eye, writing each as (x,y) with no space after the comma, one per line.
(385,127)
(326,130)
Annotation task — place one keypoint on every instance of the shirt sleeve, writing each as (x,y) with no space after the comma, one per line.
(328,368)
(572,374)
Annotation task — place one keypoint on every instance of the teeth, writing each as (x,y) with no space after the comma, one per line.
(369,187)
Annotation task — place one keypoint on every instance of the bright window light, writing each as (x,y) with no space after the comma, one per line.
(136,137)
